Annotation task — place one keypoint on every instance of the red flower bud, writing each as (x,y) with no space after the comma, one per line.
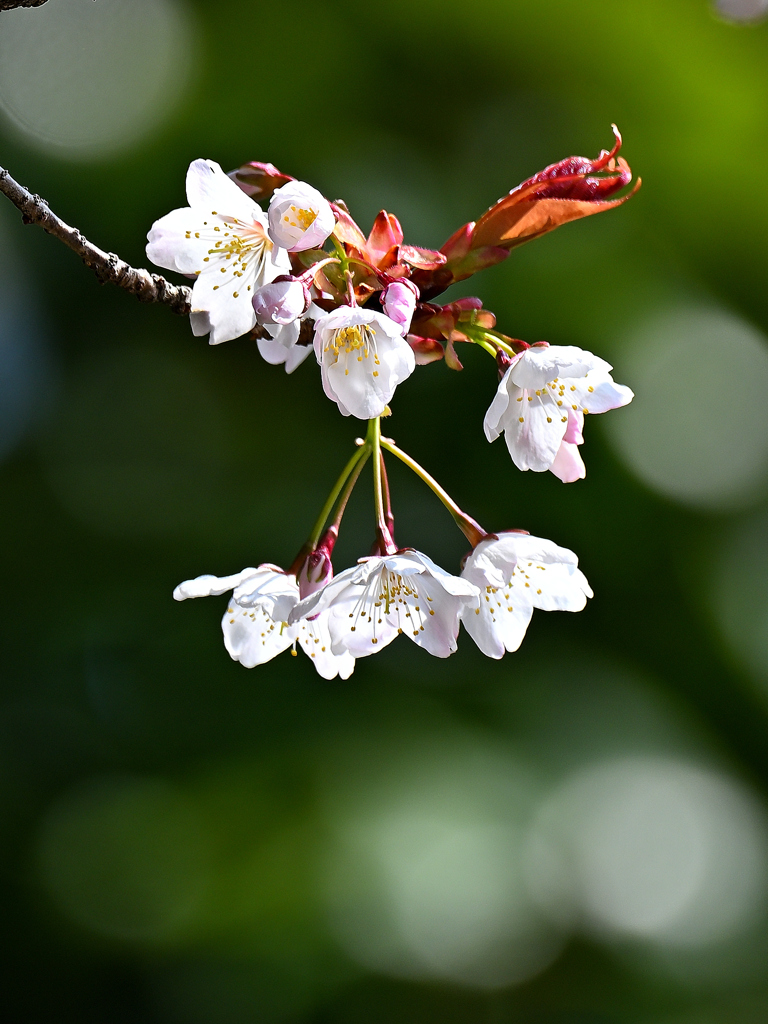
(259,180)
(573,188)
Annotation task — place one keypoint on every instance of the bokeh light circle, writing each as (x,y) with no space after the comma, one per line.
(88,79)
(125,857)
(424,877)
(697,431)
(654,849)
(742,10)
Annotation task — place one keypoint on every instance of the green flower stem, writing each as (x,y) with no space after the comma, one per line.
(340,251)
(494,339)
(350,486)
(471,530)
(485,345)
(373,438)
(388,516)
(360,456)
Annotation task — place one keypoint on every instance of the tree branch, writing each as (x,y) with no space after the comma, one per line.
(8,5)
(106,265)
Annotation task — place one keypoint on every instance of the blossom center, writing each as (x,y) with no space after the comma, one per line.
(300,218)
(238,248)
(559,396)
(356,339)
(390,594)
(352,339)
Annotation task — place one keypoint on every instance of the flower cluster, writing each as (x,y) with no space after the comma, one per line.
(299,277)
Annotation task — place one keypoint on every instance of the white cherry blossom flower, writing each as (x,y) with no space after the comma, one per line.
(541,402)
(221,240)
(369,604)
(281,302)
(516,573)
(255,624)
(363,357)
(299,217)
(399,301)
(282,347)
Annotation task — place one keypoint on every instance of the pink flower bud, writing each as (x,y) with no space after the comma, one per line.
(315,572)
(399,301)
(281,302)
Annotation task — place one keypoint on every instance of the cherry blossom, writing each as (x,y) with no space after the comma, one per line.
(255,623)
(299,217)
(281,302)
(516,573)
(371,603)
(221,240)
(282,346)
(363,357)
(541,402)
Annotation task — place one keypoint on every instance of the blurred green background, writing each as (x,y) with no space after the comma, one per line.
(577,834)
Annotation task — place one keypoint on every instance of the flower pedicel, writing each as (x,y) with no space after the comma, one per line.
(303,277)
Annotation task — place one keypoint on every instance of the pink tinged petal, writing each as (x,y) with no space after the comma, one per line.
(212,191)
(574,428)
(252,636)
(533,432)
(357,626)
(299,217)
(438,628)
(399,301)
(568,465)
(281,302)
(211,586)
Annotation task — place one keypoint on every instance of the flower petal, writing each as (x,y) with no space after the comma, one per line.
(493,424)
(499,622)
(299,217)
(568,465)
(251,636)
(599,393)
(213,191)
(541,364)
(314,637)
(226,301)
(533,437)
(211,586)
(174,242)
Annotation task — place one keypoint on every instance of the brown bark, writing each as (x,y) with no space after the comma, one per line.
(8,5)
(107,266)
